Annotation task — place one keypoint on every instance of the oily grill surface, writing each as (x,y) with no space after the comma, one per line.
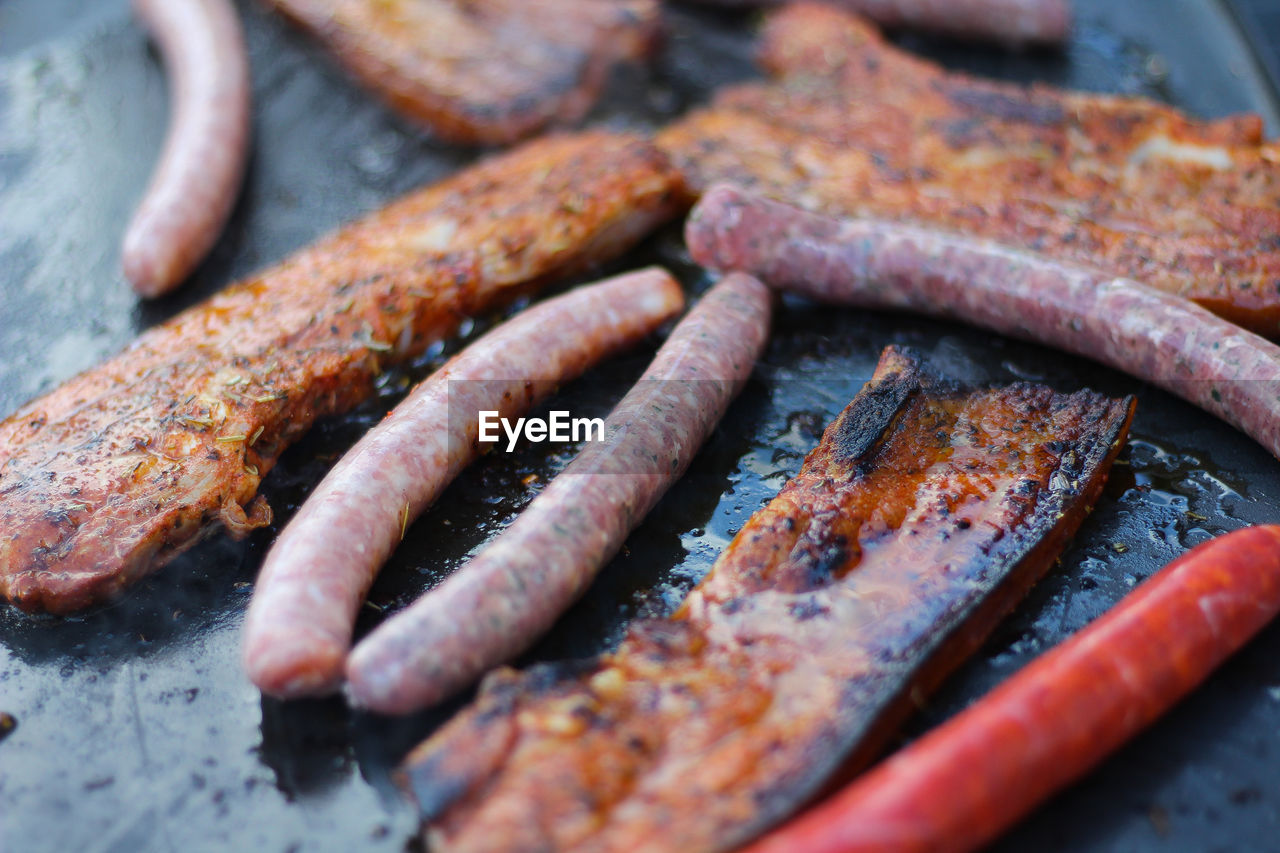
(136,729)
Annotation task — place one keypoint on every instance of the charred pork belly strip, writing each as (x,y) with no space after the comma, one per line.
(851,126)
(924,515)
(482,71)
(110,475)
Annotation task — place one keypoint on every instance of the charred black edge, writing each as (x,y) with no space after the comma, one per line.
(901,374)
(1030,552)
(431,783)
(867,418)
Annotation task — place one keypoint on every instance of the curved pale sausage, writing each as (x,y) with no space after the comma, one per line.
(1015,22)
(500,602)
(1156,336)
(311,586)
(198,177)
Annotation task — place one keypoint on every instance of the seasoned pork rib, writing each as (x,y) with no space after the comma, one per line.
(852,126)
(482,71)
(109,476)
(925,513)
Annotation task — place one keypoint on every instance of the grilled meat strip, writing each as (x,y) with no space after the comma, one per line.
(109,476)
(852,126)
(925,513)
(482,71)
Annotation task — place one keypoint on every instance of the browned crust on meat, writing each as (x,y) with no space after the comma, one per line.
(852,126)
(925,513)
(109,476)
(482,71)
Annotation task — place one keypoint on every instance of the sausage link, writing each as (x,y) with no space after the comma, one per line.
(963,783)
(1014,22)
(1155,336)
(299,625)
(198,177)
(497,604)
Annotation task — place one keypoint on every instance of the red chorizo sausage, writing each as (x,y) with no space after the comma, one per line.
(195,184)
(963,783)
(298,629)
(500,602)
(1155,336)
